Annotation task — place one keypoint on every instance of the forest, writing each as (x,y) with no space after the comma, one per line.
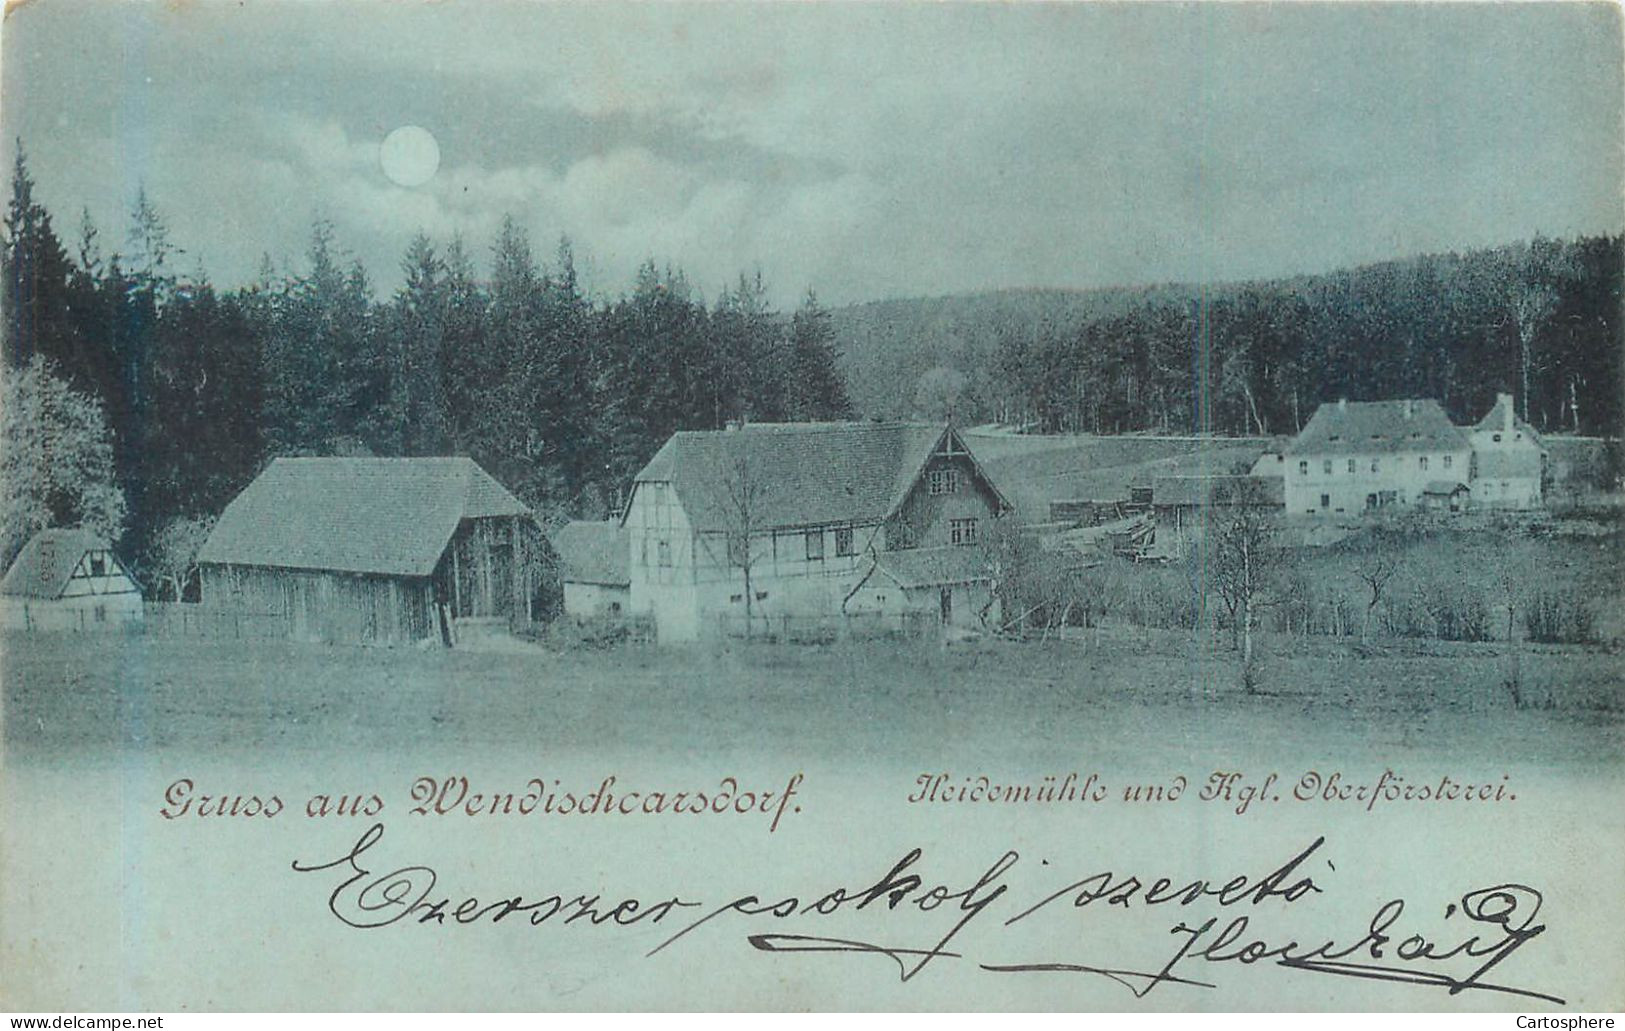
(139,399)
(1538,319)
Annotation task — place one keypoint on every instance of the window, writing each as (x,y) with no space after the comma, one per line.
(663,552)
(815,544)
(761,595)
(1351,465)
(962,531)
(843,541)
(1496,438)
(1423,463)
(735,599)
(1326,467)
(101,613)
(98,565)
(1447,461)
(1325,501)
(1373,465)
(944,481)
(1303,468)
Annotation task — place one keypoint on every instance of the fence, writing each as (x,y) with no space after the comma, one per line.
(823,628)
(185,619)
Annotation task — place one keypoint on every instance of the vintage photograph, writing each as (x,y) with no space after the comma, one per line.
(767,506)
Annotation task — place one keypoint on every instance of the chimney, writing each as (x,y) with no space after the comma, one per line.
(1410,406)
(1504,402)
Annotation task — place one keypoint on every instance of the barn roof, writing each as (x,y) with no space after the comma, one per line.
(386,516)
(595,552)
(796,474)
(1368,427)
(42,568)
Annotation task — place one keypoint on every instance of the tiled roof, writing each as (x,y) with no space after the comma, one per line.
(793,474)
(595,552)
(42,568)
(927,567)
(1368,427)
(387,516)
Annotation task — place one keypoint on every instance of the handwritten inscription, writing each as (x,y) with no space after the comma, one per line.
(1214,922)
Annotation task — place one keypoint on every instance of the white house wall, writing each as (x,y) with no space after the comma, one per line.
(1312,477)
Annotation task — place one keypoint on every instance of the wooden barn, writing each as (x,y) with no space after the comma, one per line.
(68,579)
(372,550)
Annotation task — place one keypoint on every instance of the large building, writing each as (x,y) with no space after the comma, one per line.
(785,522)
(1358,456)
(68,579)
(371,550)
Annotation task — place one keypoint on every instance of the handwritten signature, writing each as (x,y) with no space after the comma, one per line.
(1489,924)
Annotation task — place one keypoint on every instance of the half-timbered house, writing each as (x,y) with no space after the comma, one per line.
(68,579)
(777,522)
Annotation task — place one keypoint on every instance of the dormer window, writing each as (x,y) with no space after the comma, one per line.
(98,565)
(1496,438)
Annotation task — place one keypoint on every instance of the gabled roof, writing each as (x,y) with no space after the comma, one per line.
(797,474)
(595,552)
(1502,418)
(928,567)
(47,561)
(386,516)
(1367,427)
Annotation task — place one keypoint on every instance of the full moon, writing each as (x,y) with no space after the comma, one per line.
(409,156)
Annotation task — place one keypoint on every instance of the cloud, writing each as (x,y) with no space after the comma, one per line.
(865,150)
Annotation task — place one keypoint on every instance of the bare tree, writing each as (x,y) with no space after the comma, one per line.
(742,489)
(1244,558)
(1375,568)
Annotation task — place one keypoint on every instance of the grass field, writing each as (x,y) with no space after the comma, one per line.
(1130,695)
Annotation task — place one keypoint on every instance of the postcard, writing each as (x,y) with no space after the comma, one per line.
(880,506)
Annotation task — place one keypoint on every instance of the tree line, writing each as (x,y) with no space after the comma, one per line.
(1539,320)
(143,398)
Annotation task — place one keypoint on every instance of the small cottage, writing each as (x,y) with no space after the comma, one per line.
(372,550)
(68,579)
(595,567)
